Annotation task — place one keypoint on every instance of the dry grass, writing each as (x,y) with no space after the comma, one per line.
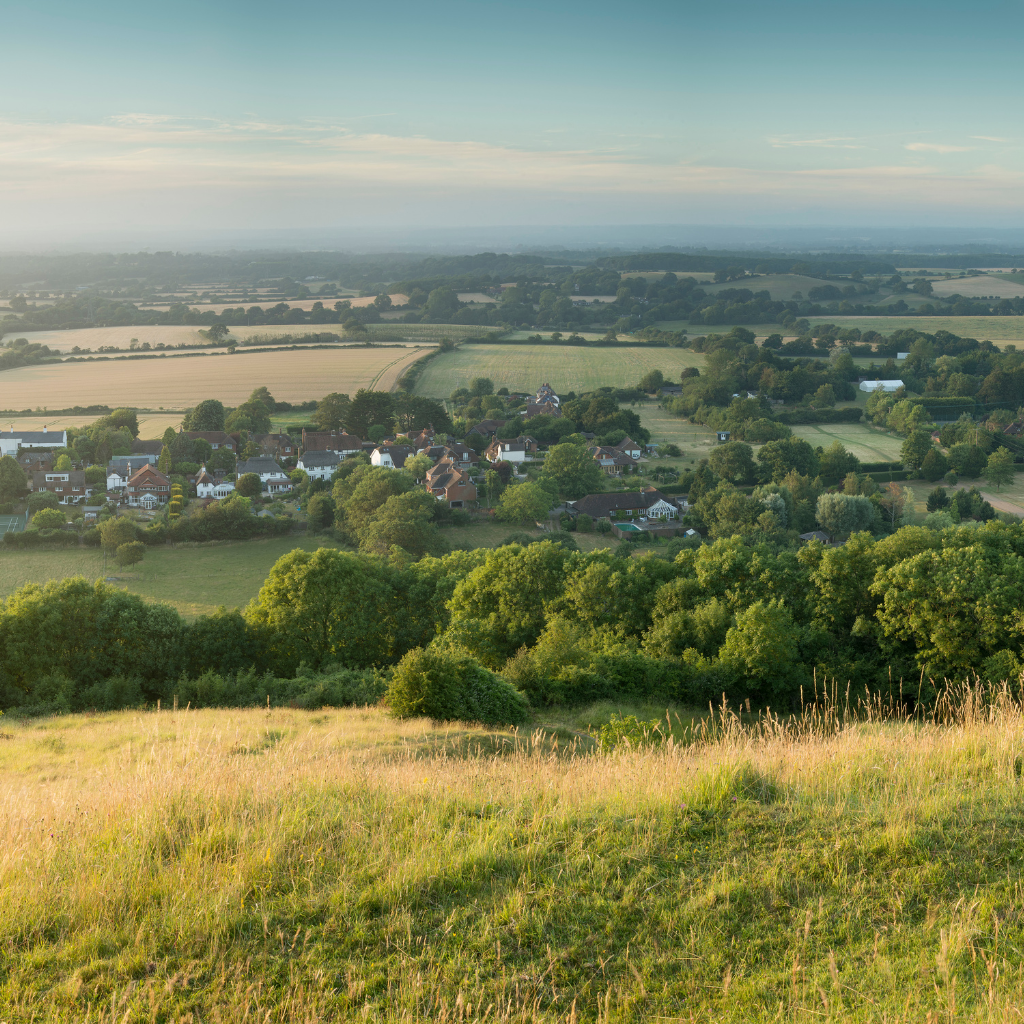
(1002,286)
(177,383)
(294,866)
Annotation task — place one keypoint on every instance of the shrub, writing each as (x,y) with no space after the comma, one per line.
(671,451)
(48,519)
(446,687)
(631,731)
(42,499)
(604,526)
(584,524)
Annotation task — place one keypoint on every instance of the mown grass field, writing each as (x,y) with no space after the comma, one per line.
(566,368)
(694,440)
(1009,498)
(289,866)
(180,382)
(194,579)
(868,444)
(1003,286)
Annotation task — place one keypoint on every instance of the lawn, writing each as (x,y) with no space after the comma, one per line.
(867,443)
(694,440)
(180,382)
(293,866)
(195,579)
(1007,499)
(566,368)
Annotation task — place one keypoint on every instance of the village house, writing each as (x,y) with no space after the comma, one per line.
(461,455)
(336,441)
(12,440)
(518,450)
(612,461)
(486,428)
(272,476)
(391,456)
(217,439)
(647,502)
(422,438)
(629,447)
(319,465)
(207,486)
(541,409)
(450,484)
(147,487)
(69,485)
(121,467)
(35,460)
(277,446)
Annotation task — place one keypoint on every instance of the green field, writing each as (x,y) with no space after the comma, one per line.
(868,444)
(194,579)
(1007,499)
(292,867)
(566,368)
(984,328)
(694,440)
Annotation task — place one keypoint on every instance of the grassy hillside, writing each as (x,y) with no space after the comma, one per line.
(567,368)
(296,867)
(194,579)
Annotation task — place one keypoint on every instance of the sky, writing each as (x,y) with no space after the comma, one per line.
(161,121)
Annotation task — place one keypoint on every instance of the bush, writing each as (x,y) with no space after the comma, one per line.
(42,499)
(604,526)
(584,524)
(671,451)
(446,687)
(48,519)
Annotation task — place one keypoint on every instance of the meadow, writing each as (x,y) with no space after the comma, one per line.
(151,424)
(1003,286)
(782,287)
(566,368)
(292,866)
(195,579)
(179,382)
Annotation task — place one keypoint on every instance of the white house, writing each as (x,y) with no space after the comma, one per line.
(208,487)
(661,509)
(272,476)
(888,386)
(12,440)
(319,465)
(391,456)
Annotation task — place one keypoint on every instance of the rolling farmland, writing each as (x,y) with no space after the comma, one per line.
(179,382)
(868,444)
(984,328)
(566,368)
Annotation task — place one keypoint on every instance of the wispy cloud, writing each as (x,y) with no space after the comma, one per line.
(988,138)
(937,147)
(838,142)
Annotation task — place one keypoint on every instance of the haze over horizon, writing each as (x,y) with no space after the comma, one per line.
(338,123)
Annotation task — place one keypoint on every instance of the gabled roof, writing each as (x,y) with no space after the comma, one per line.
(259,464)
(210,435)
(54,437)
(148,447)
(148,474)
(318,458)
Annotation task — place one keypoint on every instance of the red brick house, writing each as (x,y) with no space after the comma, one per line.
(450,484)
(148,487)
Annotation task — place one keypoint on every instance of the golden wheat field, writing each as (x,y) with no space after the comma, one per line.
(178,382)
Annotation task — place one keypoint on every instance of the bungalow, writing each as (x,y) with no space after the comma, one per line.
(272,476)
(646,502)
(319,465)
(121,467)
(147,487)
(336,441)
(450,484)
(612,461)
(69,485)
(207,486)
(217,439)
(391,456)
(11,440)
(517,450)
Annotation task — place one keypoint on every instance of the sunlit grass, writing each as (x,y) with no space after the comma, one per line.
(296,866)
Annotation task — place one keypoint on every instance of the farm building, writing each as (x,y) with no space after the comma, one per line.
(888,386)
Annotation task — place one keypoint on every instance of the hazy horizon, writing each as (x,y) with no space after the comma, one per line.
(214,120)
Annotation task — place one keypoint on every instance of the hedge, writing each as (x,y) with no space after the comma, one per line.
(884,478)
(880,467)
(41,539)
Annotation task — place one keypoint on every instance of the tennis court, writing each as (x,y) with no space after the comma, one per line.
(13,524)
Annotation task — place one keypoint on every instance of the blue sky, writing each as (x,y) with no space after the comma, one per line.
(233,115)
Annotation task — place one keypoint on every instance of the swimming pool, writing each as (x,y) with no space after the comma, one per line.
(628,526)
